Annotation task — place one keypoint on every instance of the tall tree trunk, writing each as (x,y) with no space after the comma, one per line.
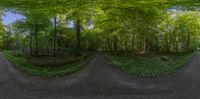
(144,45)
(31,39)
(6,41)
(133,44)
(54,36)
(115,44)
(168,42)
(125,48)
(188,42)
(78,34)
(177,44)
(109,44)
(51,42)
(36,41)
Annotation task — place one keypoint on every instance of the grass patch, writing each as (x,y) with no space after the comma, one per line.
(23,64)
(150,65)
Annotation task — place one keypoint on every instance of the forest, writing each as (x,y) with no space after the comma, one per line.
(146,38)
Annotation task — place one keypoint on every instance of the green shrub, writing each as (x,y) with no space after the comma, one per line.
(150,65)
(22,63)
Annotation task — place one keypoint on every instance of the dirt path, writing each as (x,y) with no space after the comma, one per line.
(100,80)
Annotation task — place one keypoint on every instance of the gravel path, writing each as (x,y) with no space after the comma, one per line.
(99,79)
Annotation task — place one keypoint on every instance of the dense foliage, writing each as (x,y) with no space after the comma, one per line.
(115,25)
(72,27)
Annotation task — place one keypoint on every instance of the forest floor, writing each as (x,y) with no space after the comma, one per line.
(99,79)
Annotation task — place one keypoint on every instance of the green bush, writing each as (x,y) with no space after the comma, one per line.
(150,65)
(18,54)
(22,63)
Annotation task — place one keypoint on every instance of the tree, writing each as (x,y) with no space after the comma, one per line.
(2,30)
(115,25)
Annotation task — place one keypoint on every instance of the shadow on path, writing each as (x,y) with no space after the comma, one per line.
(99,79)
